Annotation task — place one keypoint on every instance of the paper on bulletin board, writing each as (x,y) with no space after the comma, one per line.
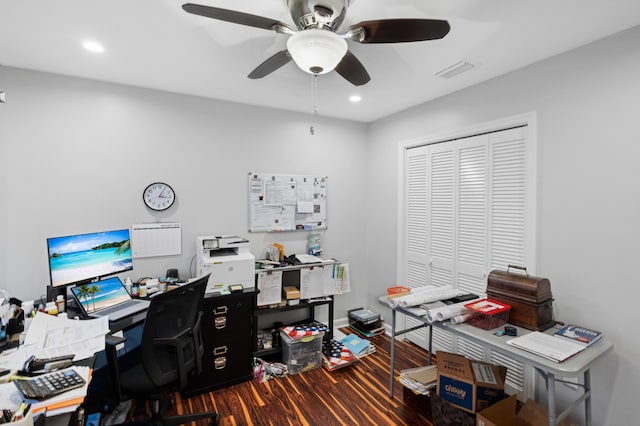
(270,287)
(280,203)
(156,239)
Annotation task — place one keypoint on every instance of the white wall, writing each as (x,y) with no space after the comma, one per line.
(77,154)
(587,102)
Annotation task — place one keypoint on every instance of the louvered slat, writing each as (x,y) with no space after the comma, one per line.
(515,373)
(416,204)
(442,205)
(508,203)
(470,349)
(472,205)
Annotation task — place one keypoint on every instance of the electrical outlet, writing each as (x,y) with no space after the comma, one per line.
(571,382)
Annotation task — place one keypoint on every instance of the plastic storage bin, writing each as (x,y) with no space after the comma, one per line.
(301,354)
(489,314)
(397,291)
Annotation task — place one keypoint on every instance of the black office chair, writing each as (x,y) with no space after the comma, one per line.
(171,349)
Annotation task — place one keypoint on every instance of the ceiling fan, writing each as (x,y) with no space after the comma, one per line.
(316,46)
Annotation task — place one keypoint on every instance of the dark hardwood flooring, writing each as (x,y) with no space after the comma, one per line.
(354,395)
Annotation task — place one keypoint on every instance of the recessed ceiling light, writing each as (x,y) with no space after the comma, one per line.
(93,46)
(355,98)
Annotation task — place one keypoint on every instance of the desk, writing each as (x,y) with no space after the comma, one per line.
(579,364)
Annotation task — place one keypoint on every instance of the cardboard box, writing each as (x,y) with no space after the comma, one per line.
(503,413)
(291,292)
(445,414)
(468,384)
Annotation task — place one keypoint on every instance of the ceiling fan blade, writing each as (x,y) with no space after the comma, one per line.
(352,70)
(398,30)
(237,17)
(276,61)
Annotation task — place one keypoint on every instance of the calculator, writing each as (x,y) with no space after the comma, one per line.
(50,384)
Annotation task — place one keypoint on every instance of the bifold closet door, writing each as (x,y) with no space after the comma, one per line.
(468,209)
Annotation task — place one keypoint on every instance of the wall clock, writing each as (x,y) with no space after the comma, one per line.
(158,196)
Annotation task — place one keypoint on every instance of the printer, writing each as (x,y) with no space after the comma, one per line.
(228,259)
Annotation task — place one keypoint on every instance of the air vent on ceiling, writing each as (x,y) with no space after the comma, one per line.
(456,69)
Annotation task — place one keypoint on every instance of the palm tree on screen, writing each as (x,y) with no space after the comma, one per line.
(92,291)
(83,292)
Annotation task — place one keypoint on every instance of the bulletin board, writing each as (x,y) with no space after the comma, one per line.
(281,203)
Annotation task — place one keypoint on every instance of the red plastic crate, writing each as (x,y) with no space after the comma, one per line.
(489,314)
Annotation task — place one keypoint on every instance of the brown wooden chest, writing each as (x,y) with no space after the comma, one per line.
(529,297)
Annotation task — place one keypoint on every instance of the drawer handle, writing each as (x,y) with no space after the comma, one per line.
(220,310)
(220,322)
(220,350)
(220,362)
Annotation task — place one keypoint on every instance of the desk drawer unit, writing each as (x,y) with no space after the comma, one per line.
(227,336)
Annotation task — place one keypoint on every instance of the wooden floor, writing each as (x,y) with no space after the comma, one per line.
(354,395)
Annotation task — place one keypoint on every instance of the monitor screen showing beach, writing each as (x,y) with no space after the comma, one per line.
(83,257)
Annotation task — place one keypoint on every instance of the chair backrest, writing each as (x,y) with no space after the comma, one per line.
(171,341)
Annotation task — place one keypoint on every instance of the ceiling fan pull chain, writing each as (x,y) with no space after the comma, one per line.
(314,92)
(314,99)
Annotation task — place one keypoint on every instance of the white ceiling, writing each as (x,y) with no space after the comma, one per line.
(155,44)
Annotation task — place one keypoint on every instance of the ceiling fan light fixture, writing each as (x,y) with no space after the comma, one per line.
(316,51)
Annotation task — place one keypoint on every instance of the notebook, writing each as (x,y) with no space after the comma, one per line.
(107,298)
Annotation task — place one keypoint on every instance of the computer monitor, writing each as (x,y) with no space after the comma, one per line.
(82,258)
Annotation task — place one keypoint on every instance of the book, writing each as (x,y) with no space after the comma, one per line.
(580,335)
(367,351)
(367,333)
(355,344)
(308,258)
(367,327)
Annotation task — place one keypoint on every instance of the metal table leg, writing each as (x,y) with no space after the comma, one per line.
(587,400)
(551,398)
(393,350)
(430,342)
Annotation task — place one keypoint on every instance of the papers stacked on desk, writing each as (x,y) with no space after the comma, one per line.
(49,337)
(64,403)
(546,346)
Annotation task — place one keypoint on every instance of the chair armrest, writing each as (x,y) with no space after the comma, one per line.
(179,346)
(110,339)
(111,350)
(196,337)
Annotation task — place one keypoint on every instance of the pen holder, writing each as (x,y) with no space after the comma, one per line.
(27,420)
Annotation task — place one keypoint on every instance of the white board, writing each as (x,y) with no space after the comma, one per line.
(156,239)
